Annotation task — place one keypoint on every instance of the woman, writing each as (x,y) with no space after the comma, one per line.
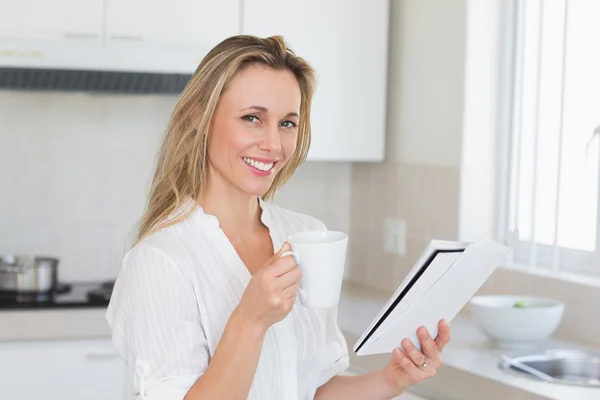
(202,307)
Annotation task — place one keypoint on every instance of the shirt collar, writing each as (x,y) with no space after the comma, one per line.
(213,222)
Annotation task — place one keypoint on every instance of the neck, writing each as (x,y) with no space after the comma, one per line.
(236,211)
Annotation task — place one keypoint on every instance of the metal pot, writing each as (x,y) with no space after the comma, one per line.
(28,274)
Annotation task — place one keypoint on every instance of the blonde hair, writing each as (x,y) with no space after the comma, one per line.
(181,169)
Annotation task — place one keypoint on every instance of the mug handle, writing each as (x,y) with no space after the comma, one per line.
(301,293)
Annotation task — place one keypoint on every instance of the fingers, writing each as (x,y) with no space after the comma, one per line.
(285,247)
(428,345)
(283,298)
(282,272)
(286,270)
(411,351)
(443,335)
(428,359)
(419,365)
(289,278)
(281,265)
(288,297)
(290,291)
(407,364)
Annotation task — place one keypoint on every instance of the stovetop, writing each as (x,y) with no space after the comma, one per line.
(74,295)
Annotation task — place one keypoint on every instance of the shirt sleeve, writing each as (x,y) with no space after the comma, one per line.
(156,326)
(335,359)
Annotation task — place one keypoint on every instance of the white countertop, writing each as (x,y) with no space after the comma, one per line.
(470,368)
(50,324)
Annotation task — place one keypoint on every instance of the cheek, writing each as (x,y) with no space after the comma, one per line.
(288,144)
(231,141)
(237,141)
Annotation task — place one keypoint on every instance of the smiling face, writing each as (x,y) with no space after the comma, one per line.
(254,129)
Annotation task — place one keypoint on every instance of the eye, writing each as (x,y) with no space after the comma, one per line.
(289,124)
(250,118)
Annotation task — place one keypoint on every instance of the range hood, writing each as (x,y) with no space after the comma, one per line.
(91,81)
(72,67)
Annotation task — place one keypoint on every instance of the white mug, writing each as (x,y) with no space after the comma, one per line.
(321,256)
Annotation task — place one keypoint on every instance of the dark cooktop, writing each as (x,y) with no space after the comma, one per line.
(74,295)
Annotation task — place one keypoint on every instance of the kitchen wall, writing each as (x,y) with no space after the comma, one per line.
(75,169)
(441,168)
(444,109)
(419,181)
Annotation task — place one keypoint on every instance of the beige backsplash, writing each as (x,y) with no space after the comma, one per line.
(425,196)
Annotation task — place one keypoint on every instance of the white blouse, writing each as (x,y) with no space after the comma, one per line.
(173,297)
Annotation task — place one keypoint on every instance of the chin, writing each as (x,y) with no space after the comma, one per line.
(255,188)
(255,185)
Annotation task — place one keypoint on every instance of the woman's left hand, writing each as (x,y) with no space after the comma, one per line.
(412,366)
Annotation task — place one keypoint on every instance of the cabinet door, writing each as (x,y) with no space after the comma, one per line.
(346,41)
(61,370)
(51,20)
(194,23)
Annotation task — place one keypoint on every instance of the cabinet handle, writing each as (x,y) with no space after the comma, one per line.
(76,35)
(129,38)
(100,356)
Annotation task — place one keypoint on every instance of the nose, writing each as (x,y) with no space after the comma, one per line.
(270,140)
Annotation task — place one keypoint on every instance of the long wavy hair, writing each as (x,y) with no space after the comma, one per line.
(182,163)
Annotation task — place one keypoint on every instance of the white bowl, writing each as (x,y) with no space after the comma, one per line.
(517,327)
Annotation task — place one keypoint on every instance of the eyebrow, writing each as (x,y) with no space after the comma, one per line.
(265,110)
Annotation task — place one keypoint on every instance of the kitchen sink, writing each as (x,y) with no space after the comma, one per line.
(567,367)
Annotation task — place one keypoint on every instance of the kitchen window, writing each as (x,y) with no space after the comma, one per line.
(552,169)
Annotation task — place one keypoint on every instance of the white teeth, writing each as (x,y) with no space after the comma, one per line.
(258,164)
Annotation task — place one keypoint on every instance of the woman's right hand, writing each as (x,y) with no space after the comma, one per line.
(271,293)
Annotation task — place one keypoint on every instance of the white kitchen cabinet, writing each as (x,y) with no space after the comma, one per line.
(346,41)
(61,370)
(56,20)
(193,23)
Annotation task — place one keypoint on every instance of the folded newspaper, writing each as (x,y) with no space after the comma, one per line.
(442,281)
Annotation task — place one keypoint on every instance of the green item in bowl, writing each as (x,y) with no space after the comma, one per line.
(520,304)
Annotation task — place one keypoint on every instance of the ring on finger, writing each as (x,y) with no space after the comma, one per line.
(424,364)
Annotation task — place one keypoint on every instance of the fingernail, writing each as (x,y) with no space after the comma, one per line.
(407,342)
(445,322)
